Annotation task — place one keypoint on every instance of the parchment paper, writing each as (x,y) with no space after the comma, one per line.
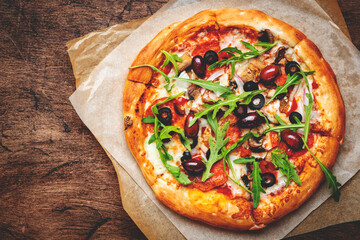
(100,95)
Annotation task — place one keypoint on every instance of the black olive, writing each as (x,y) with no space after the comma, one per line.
(259,149)
(165,116)
(294,115)
(233,85)
(292,139)
(193,142)
(194,166)
(267,179)
(250,120)
(211,57)
(257,102)
(281,96)
(250,86)
(208,154)
(194,129)
(266,36)
(240,110)
(249,167)
(199,66)
(292,67)
(246,181)
(186,156)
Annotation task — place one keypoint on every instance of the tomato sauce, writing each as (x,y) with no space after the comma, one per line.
(314,85)
(281,79)
(294,106)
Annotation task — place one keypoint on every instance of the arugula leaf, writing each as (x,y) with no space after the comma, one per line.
(216,87)
(307,108)
(242,55)
(215,147)
(262,115)
(173,58)
(256,188)
(175,171)
(280,160)
(290,80)
(159,136)
(241,141)
(230,100)
(280,128)
(167,79)
(154,109)
(149,119)
(333,183)
(245,160)
(165,134)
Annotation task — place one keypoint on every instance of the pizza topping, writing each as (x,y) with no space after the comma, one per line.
(194,129)
(250,86)
(240,110)
(239,56)
(194,166)
(165,116)
(186,62)
(211,57)
(257,102)
(267,179)
(269,73)
(292,139)
(251,72)
(266,36)
(250,120)
(292,67)
(280,55)
(199,66)
(293,116)
(186,156)
(280,160)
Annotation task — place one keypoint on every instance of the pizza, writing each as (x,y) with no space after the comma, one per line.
(234,118)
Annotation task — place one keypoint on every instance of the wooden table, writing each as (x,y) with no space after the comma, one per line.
(56,182)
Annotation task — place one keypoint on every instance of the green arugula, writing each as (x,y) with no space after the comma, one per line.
(307,108)
(215,146)
(255,175)
(245,160)
(280,160)
(159,136)
(173,58)
(231,101)
(213,86)
(256,187)
(331,179)
(290,80)
(242,55)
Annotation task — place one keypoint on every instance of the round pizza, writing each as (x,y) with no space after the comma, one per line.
(234,118)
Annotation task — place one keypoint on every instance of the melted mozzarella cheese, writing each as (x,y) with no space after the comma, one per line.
(153,155)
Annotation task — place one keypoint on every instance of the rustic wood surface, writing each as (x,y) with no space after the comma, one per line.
(56,182)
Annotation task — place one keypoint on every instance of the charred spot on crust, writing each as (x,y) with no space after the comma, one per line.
(127,122)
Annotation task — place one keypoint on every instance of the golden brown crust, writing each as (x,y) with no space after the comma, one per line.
(213,207)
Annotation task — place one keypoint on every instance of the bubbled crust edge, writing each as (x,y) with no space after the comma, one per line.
(327,96)
(294,196)
(173,194)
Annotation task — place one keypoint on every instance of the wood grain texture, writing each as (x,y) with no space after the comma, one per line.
(55,180)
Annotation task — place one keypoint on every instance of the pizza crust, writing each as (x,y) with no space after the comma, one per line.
(212,207)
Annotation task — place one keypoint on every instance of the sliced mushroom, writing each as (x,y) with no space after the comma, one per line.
(280,55)
(266,36)
(185,63)
(257,142)
(251,71)
(284,105)
(193,91)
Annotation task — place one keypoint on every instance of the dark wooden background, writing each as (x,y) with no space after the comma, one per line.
(56,182)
